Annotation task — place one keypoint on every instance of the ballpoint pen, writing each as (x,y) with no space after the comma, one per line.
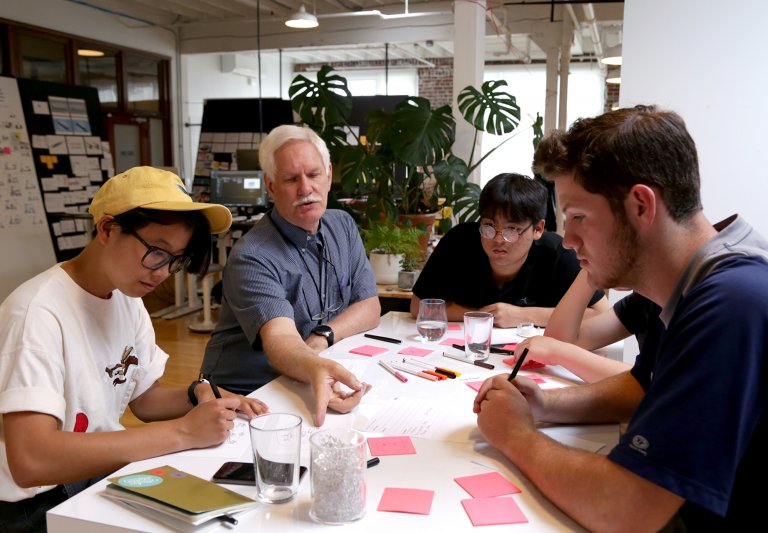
(392,371)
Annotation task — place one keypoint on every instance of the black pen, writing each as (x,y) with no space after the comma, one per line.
(385,339)
(518,365)
(228,520)
(373,461)
(215,390)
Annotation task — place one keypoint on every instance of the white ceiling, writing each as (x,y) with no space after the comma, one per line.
(516,30)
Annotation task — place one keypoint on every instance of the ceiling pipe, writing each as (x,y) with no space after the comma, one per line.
(589,14)
(511,48)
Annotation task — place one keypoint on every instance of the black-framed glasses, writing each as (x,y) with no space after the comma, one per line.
(333,298)
(489,231)
(156,258)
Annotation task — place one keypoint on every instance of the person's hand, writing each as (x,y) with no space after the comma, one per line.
(249,407)
(326,385)
(505,315)
(542,349)
(503,412)
(210,422)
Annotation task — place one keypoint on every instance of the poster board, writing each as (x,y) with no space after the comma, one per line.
(24,236)
(71,157)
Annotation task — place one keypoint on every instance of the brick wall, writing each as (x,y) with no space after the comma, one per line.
(436,84)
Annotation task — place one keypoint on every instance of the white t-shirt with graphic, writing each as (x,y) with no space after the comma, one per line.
(74,356)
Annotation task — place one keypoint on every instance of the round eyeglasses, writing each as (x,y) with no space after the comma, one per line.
(489,231)
(156,258)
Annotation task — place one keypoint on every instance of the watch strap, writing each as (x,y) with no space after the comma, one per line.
(191,390)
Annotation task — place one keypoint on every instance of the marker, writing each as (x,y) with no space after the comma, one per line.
(392,371)
(518,365)
(427,369)
(373,461)
(465,360)
(385,339)
(415,372)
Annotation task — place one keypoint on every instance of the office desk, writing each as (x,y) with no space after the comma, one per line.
(451,449)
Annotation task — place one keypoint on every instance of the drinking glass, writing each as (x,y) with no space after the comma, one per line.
(478,327)
(276,442)
(432,320)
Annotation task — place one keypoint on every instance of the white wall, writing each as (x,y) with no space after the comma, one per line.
(203,79)
(705,61)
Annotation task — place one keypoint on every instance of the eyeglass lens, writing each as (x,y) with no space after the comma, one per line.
(489,231)
(156,258)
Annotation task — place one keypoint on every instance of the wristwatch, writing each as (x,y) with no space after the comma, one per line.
(325,331)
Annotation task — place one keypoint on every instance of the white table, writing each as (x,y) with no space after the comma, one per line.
(451,449)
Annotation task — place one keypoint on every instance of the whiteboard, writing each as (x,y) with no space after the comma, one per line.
(26,248)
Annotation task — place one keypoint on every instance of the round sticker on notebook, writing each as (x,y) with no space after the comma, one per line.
(139,480)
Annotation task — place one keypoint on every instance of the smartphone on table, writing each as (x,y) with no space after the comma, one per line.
(238,473)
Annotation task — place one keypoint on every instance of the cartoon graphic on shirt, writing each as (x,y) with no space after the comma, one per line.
(119,371)
(81,423)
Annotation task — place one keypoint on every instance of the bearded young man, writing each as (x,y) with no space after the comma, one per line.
(628,184)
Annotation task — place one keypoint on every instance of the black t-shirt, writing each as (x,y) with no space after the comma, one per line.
(459,271)
(635,312)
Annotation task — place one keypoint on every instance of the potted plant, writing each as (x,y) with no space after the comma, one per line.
(391,247)
(405,165)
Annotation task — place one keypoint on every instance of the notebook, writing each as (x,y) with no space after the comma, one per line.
(176,494)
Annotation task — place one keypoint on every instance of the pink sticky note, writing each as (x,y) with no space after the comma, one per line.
(510,346)
(537,379)
(488,485)
(415,501)
(493,511)
(474,385)
(454,326)
(448,342)
(367,349)
(413,350)
(527,365)
(391,445)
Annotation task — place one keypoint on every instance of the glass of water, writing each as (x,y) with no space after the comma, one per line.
(432,320)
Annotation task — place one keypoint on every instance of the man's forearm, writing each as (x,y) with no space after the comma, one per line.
(358,317)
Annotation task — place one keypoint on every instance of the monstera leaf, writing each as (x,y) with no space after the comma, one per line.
(421,135)
(492,110)
(324,105)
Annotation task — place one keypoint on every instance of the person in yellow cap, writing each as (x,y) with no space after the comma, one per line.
(77,347)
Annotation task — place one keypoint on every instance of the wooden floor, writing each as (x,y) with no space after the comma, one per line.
(185,349)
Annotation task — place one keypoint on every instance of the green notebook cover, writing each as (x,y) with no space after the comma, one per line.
(187,493)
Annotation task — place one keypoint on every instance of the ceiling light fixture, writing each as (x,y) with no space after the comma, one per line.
(84,52)
(302,19)
(612,56)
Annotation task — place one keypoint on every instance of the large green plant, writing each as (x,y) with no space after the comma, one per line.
(405,165)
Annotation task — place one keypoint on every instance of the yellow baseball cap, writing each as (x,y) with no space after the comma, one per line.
(152,188)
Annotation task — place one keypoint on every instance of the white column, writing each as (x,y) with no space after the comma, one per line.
(468,68)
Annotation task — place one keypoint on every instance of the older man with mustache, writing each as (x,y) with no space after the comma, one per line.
(298,281)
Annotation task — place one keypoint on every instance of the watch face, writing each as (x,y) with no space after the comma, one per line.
(323,330)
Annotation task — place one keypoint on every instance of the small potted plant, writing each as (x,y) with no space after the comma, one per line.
(388,246)
(409,272)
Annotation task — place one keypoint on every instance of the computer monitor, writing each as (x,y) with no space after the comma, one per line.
(238,188)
